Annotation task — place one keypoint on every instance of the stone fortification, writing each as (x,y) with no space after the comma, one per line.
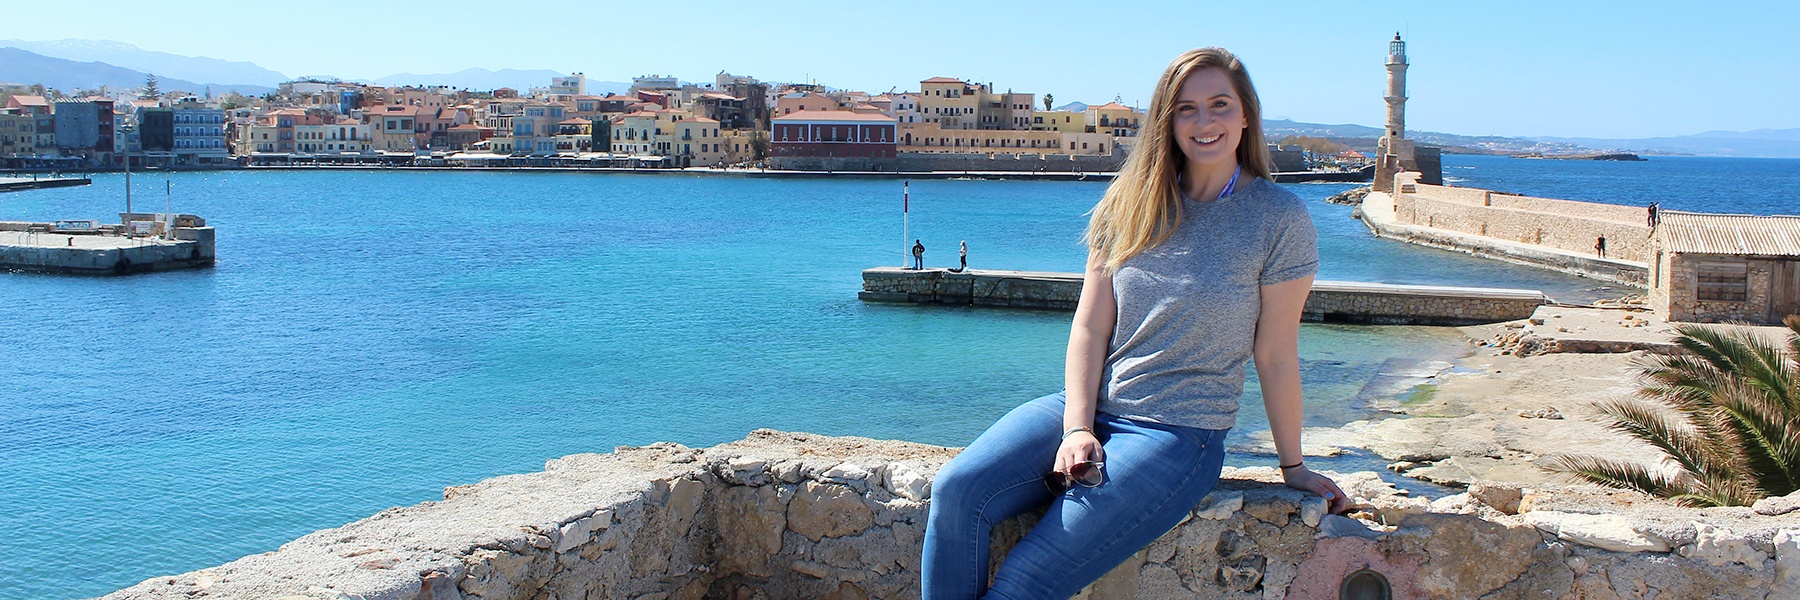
(1541,232)
(1337,301)
(785,515)
(1564,225)
(37,247)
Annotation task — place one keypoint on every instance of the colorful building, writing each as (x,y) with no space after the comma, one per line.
(828,134)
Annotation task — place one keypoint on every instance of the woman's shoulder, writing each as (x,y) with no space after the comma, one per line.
(1271,197)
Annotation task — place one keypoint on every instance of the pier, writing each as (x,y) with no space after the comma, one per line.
(1330,301)
(103,250)
(20,184)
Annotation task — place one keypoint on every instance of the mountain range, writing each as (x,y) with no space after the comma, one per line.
(163,64)
(20,66)
(483,79)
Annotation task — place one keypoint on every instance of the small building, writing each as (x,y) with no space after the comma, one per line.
(1712,268)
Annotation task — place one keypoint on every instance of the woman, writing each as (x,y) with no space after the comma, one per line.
(1197,264)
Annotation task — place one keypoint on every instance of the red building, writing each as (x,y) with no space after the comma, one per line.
(833,133)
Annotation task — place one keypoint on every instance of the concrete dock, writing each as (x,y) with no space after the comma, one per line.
(20,184)
(1330,301)
(35,247)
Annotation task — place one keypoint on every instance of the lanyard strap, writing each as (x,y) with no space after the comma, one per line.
(1231,185)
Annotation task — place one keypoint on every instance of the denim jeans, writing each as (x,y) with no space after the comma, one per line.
(1154,476)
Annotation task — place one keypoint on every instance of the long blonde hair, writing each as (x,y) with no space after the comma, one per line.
(1142,207)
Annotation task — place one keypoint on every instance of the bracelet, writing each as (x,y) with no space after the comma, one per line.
(1286,467)
(1073,430)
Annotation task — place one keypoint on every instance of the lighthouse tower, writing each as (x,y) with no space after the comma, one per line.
(1396,153)
(1396,89)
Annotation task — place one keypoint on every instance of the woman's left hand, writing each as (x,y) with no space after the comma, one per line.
(1302,478)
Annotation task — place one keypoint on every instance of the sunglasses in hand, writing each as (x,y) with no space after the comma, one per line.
(1087,473)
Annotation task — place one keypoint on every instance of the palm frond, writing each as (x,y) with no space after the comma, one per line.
(1619,474)
(1670,433)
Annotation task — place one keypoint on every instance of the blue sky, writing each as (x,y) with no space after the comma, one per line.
(1568,68)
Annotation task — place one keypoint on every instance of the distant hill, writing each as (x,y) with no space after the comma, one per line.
(20,66)
(1759,143)
(163,64)
(482,80)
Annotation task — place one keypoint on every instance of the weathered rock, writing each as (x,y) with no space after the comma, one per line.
(1777,505)
(1787,565)
(1219,505)
(1606,532)
(906,483)
(821,510)
(1720,546)
(750,522)
(1446,541)
(1498,496)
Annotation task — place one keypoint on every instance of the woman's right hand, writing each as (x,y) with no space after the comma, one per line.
(1078,447)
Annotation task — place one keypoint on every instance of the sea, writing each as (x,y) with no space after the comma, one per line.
(370,337)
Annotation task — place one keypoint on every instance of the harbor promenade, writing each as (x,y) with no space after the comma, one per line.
(20,184)
(33,247)
(1330,301)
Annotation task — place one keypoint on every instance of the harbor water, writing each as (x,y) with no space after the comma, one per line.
(368,338)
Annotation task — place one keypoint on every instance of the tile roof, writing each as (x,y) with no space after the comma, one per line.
(1110,106)
(833,115)
(943,80)
(24,100)
(1702,233)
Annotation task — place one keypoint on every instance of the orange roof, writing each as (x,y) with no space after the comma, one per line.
(572,122)
(1110,106)
(702,120)
(943,80)
(833,115)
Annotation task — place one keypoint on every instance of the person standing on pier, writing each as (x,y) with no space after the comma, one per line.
(963,256)
(1600,246)
(1655,207)
(1197,265)
(918,255)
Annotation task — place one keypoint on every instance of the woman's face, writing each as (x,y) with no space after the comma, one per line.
(1209,118)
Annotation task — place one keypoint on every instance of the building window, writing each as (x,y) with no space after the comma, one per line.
(1722,281)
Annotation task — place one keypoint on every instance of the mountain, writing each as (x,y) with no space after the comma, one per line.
(20,66)
(1759,143)
(483,80)
(1275,129)
(163,64)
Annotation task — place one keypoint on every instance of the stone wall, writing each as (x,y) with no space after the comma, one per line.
(981,161)
(1560,224)
(1336,301)
(788,515)
(193,247)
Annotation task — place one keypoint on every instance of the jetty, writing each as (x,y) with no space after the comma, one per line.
(20,184)
(1330,301)
(84,247)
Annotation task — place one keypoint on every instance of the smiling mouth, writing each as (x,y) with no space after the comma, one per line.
(1207,140)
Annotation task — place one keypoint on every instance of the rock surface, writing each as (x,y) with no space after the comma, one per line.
(792,515)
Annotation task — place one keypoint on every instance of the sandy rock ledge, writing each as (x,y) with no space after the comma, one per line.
(794,515)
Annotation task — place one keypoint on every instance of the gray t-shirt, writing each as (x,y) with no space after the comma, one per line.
(1188,308)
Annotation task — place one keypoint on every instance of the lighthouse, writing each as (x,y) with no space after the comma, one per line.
(1396,153)
(1396,88)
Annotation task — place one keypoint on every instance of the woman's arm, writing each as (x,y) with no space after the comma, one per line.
(1277,353)
(1090,337)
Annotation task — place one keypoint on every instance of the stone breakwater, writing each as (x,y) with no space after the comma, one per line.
(1336,301)
(794,515)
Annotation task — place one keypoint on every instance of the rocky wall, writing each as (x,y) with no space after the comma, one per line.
(793,515)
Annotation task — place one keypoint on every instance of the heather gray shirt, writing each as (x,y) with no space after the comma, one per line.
(1188,308)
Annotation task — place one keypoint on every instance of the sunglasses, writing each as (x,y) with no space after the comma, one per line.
(1087,473)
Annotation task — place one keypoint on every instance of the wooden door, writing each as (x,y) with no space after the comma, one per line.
(1784,292)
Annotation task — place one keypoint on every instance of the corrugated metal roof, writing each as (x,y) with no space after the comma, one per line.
(1728,234)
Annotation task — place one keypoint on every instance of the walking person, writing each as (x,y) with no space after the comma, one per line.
(1197,264)
(918,255)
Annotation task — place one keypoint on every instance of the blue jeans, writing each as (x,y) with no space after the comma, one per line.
(1154,476)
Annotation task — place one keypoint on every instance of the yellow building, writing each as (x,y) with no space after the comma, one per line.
(950,103)
(17,134)
(634,133)
(930,137)
(1066,121)
(696,141)
(1114,119)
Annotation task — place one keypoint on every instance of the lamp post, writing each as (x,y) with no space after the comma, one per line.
(128,129)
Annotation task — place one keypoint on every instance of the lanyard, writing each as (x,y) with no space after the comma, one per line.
(1231,185)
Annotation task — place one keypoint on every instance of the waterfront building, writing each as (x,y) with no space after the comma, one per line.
(1114,119)
(931,137)
(18,136)
(1723,268)
(84,127)
(730,111)
(464,137)
(199,133)
(695,141)
(574,135)
(43,121)
(632,133)
(654,82)
(833,134)
(950,103)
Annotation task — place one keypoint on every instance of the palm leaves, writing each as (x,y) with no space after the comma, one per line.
(1725,416)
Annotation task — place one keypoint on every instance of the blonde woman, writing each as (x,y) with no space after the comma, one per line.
(1197,265)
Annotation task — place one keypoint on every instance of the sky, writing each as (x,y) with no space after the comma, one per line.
(1523,68)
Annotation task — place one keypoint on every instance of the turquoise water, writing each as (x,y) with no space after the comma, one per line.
(368,338)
